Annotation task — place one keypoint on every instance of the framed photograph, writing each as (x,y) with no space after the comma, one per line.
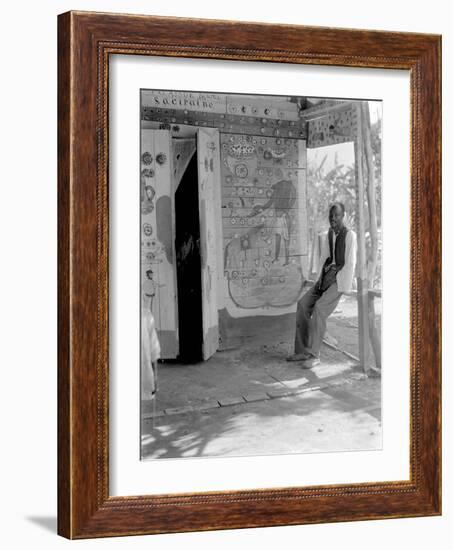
(249,275)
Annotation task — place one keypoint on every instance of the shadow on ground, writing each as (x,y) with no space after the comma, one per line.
(339,411)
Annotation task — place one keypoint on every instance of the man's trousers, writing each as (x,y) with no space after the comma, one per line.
(313,309)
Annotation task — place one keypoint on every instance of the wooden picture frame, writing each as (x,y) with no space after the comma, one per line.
(85,41)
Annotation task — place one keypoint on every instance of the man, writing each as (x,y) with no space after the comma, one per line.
(338,259)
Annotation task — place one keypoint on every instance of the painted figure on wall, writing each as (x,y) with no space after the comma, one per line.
(263,203)
(149,287)
(283,198)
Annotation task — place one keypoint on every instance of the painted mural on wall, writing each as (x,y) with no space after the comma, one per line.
(262,229)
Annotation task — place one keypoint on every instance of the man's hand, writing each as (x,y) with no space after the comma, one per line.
(331,267)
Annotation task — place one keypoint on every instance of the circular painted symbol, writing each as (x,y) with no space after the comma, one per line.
(161,158)
(147,229)
(147,207)
(148,173)
(266,264)
(235,274)
(241,170)
(147,158)
(149,192)
(267,154)
(233,221)
(264,281)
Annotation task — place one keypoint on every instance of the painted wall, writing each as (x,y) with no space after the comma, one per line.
(261,232)
(264,222)
(158,274)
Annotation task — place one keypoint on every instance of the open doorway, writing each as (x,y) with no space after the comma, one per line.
(187,243)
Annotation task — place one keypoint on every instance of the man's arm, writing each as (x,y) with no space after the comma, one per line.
(257,209)
(325,253)
(350,257)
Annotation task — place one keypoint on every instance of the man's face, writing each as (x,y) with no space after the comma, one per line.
(336,217)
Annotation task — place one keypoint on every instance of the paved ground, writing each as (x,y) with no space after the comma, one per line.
(251,401)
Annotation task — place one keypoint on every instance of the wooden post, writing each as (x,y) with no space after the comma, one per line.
(371,193)
(362,279)
(375,332)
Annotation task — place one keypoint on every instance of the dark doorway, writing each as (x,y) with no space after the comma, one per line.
(189,265)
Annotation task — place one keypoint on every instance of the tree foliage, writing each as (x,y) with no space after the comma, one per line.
(338,183)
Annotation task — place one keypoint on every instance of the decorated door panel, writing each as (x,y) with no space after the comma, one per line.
(158,271)
(210,216)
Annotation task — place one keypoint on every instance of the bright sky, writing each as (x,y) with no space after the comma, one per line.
(375,110)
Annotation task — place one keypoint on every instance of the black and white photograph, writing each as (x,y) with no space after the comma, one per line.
(240,244)
(261,291)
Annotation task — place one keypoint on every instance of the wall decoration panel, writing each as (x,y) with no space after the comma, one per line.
(158,274)
(339,126)
(263,184)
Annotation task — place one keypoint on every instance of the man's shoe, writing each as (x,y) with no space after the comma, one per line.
(311,362)
(298,357)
